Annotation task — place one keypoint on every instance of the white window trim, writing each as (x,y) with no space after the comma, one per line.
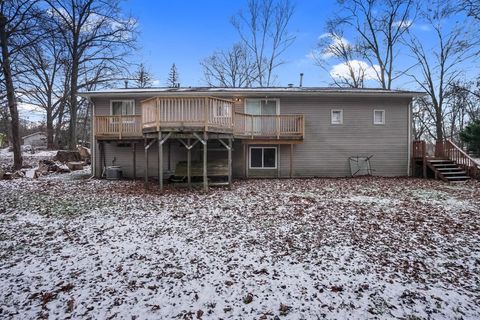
(277,101)
(262,168)
(123,100)
(383,116)
(341,116)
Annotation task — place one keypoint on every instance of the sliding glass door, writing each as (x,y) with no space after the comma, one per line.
(264,110)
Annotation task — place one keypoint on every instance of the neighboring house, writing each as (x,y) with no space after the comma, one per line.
(37,140)
(265,132)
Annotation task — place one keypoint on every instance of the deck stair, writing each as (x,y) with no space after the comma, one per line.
(447,170)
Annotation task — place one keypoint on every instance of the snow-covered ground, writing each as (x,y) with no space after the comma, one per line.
(266,249)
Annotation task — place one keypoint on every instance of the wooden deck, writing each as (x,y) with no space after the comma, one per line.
(198,114)
(118,127)
(449,163)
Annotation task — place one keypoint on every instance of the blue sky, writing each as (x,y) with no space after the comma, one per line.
(185,32)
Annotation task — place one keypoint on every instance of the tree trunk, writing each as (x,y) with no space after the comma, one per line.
(58,126)
(439,125)
(50,130)
(12,102)
(72,132)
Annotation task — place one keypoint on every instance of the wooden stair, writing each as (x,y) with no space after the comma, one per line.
(447,170)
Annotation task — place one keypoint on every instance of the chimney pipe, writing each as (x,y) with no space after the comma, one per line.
(301,79)
(126,84)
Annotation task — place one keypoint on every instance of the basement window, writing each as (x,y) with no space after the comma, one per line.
(263,158)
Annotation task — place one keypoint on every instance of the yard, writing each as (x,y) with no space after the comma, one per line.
(266,249)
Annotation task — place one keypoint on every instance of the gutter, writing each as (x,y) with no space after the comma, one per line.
(249,93)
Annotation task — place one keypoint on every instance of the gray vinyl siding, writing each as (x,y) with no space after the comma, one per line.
(326,147)
(324,151)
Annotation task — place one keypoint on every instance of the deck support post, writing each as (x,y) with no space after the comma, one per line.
(189,164)
(205,182)
(161,141)
(230,162)
(134,160)
(160,161)
(169,160)
(147,146)
(291,160)
(146,165)
(204,142)
(189,147)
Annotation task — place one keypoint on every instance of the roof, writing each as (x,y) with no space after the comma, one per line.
(277,91)
(34,134)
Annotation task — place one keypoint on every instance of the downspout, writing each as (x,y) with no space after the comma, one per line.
(93,146)
(409,160)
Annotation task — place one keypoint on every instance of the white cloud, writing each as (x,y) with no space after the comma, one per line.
(30,112)
(336,41)
(155,82)
(27,107)
(403,24)
(342,70)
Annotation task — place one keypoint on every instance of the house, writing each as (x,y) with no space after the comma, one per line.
(37,140)
(250,132)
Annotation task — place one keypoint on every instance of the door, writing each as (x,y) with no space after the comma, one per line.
(264,112)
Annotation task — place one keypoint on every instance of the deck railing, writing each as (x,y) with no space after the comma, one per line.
(177,112)
(200,113)
(419,149)
(450,150)
(118,126)
(276,126)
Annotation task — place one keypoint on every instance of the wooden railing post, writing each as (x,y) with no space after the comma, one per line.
(424,158)
(206,114)
(120,124)
(277,118)
(157,114)
(251,128)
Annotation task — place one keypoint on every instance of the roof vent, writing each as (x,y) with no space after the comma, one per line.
(290,85)
(301,79)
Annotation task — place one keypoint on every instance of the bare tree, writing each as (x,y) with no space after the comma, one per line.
(173,77)
(471,7)
(333,45)
(379,26)
(263,29)
(17,31)
(42,82)
(96,37)
(143,78)
(233,68)
(439,67)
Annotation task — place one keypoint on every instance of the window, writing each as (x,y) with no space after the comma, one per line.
(263,158)
(337,116)
(261,106)
(378,116)
(122,107)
